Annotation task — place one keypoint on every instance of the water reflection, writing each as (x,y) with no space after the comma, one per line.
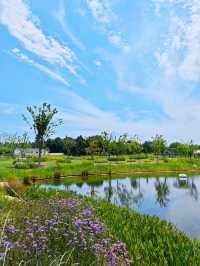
(188,185)
(169,198)
(162,192)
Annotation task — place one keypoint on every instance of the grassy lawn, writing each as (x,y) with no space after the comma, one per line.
(97,165)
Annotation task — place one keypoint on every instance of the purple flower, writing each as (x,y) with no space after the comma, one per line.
(11,229)
(2,255)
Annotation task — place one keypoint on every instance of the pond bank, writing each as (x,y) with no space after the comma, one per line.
(132,173)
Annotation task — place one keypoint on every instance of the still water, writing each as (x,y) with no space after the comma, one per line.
(166,197)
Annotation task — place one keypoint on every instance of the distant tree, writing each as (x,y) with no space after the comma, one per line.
(106,142)
(134,146)
(80,146)
(158,144)
(147,147)
(94,145)
(69,146)
(24,143)
(11,142)
(43,123)
(191,148)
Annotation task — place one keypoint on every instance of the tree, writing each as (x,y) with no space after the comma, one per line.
(23,143)
(106,142)
(42,123)
(94,145)
(134,146)
(147,147)
(158,144)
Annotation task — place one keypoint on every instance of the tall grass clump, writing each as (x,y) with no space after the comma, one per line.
(150,241)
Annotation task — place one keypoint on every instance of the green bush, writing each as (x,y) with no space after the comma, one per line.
(63,160)
(138,156)
(116,159)
(26,180)
(24,165)
(57,175)
(101,161)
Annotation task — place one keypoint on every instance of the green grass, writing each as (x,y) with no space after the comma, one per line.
(149,240)
(77,166)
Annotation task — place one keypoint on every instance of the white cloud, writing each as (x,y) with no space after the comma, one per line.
(181,50)
(42,68)
(7,109)
(61,17)
(98,63)
(101,10)
(21,23)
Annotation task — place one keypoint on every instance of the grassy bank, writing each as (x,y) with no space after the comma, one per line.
(86,166)
(149,240)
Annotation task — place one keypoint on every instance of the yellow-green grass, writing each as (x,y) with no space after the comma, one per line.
(79,165)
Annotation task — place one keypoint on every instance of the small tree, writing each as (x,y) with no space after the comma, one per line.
(23,143)
(158,144)
(42,123)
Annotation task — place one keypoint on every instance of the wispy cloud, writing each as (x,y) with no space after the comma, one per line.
(61,17)
(7,108)
(21,56)
(102,11)
(24,26)
(180,54)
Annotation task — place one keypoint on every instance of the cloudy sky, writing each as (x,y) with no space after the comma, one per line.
(115,65)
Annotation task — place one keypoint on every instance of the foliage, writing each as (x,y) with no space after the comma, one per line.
(117,159)
(149,240)
(63,231)
(158,144)
(23,163)
(42,123)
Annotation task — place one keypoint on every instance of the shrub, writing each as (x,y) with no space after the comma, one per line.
(57,175)
(116,159)
(101,161)
(84,173)
(26,180)
(131,161)
(24,164)
(138,156)
(15,188)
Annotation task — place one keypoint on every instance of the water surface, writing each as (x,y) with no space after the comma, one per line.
(166,197)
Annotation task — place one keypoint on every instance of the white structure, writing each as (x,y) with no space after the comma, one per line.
(197,152)
(29,152)
(55,154)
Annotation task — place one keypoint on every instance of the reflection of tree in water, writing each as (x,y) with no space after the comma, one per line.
(162,191)
(94,184)
(194,191)
(126,195)
(109,191)
(188,185)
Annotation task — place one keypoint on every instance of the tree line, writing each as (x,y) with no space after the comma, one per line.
(106,144)
(42,122)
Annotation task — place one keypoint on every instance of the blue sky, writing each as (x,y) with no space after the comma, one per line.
(117,65)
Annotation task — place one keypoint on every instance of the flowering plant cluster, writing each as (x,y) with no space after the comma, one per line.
(57,232)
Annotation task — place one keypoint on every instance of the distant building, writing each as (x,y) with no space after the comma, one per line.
(56,154)
(29,152)
(197,153)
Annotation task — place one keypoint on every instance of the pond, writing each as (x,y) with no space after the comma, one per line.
(169,198)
